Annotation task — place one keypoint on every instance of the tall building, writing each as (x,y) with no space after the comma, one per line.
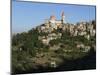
(63,17)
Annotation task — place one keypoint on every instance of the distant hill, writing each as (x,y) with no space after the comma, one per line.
(41,47)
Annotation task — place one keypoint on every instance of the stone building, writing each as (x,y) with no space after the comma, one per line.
(53,23)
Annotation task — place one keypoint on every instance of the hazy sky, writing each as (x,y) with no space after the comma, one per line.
(26,15)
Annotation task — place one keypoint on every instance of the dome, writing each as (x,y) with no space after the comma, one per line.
(52,17)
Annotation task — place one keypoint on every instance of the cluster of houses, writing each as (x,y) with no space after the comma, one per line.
(85,29)
(46,39)
(83,48)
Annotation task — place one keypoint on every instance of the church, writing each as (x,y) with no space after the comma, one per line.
(54,23)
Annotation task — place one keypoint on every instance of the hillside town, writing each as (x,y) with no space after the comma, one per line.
(53,42)
(84,29)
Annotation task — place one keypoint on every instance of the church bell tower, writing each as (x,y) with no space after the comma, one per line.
(63,17)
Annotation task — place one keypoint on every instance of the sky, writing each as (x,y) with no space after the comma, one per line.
(26,15)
